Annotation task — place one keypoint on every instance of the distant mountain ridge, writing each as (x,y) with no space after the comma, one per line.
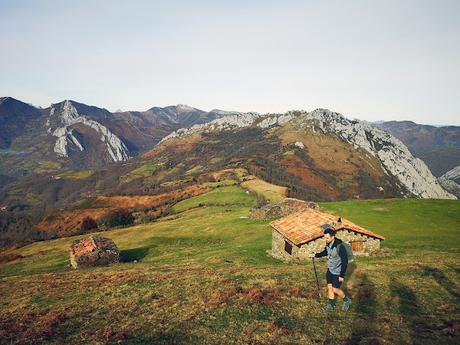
(15,117)
(412,174)
(73,134)
(77,135)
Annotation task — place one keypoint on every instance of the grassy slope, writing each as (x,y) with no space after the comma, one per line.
(143,171)
(271,192)
(410,225)
(202,276)
(76,174)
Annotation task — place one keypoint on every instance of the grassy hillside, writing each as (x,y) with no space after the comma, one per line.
(271,192)
(201,276)
(409,225)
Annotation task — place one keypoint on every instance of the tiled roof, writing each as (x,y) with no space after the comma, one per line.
(90,244)
(305,226)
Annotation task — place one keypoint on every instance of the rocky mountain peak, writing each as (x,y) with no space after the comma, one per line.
(185,108)
(327,115)
(15,118)
(395,157)
(15,104)
(5,99)
(65,114)
(225,112)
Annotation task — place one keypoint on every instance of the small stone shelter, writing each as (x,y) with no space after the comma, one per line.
(93,251)
(299,235)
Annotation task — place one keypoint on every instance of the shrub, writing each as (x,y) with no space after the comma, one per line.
(117,217)
(87,224)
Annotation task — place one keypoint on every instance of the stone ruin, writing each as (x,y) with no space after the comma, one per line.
(277,210)
(93,251)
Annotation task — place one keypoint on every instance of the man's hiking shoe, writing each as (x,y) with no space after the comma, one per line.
(329,307)
(346,303)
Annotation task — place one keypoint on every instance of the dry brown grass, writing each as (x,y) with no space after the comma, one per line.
(298,168)
(330,153)
(181,145)
(270,191)
(68,223)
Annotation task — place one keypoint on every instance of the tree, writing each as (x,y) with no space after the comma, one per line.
(87,224)
(117,217)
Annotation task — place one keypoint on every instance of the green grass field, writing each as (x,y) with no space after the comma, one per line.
(143,171)
(202,276)
(76,174)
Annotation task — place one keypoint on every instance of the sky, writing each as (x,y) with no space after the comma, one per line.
(371,60)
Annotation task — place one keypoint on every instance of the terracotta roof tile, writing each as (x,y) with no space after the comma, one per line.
(305,226)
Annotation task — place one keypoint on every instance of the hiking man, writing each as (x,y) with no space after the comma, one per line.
(337,261)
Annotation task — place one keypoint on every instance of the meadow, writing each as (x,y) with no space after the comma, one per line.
(201,275)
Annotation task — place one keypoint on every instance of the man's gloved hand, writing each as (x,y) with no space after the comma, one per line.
(340,279)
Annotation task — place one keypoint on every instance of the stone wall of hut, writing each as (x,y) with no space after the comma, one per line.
(370,244)
(307,250)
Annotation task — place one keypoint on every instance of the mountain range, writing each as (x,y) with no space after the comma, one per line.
(69,162)
(75,135)
(314,142)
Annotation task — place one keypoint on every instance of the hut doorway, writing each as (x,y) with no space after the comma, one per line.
(288,247)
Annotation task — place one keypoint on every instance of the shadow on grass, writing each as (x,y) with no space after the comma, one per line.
(411,312)
(350,270)
(442,280)
(457,270)
(135,254)
(365,305)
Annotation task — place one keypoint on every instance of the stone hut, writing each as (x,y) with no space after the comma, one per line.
(299,235)
(93,251)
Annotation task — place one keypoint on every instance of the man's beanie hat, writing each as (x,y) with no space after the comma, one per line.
(328,229)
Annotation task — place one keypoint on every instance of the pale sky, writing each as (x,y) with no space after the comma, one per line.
(372,60)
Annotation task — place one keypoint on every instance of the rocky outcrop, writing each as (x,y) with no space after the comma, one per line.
(228,122)
(64,115)
(449,181)
(437,146)
(395,157)
(93,251)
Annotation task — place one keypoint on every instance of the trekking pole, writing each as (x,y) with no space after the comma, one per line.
(316,275)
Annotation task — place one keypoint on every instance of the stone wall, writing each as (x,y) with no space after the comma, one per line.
(277,250)
(307,250)
(371,244)
(301,253)
(281,209)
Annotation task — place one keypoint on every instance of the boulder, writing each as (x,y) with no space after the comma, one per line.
(93,251)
